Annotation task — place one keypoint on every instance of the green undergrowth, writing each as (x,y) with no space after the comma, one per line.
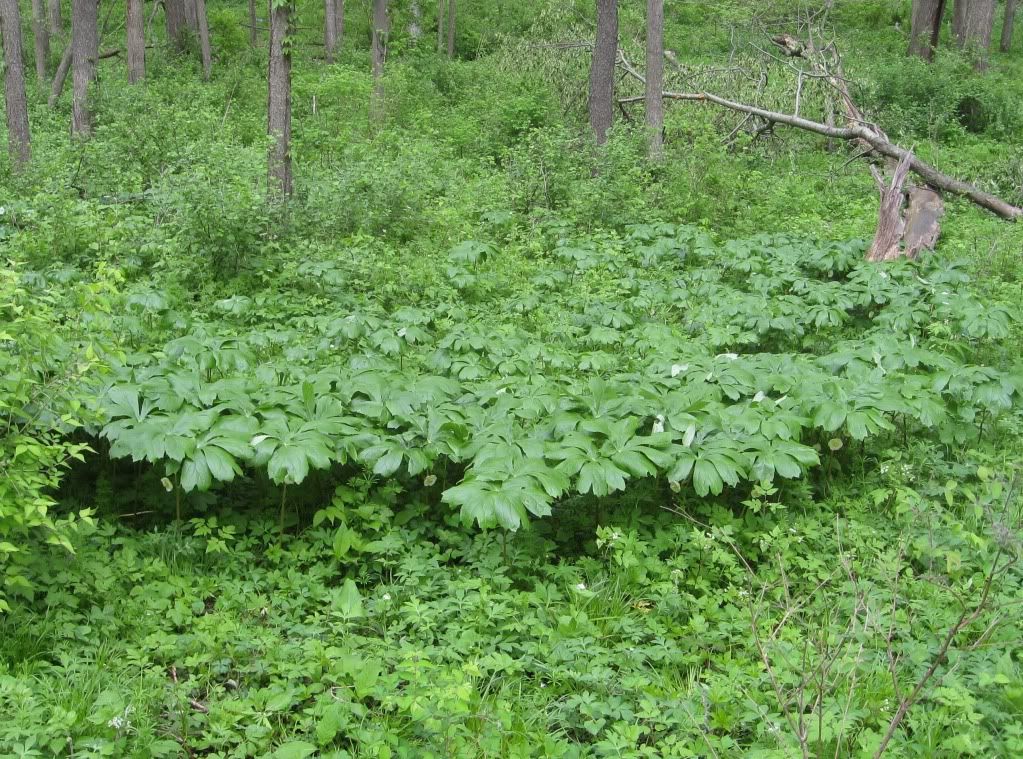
(492,443)
(411,637)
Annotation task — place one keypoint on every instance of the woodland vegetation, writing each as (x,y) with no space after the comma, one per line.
(511,379)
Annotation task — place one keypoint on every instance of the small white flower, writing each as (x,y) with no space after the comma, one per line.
(387,596)
(759,397)
(117,723)
(677,369)
(729,356)
(581,586)
(501,391)
(430,480)
(2,210)
(659,424)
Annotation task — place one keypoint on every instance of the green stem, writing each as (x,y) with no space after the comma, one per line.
(284,493)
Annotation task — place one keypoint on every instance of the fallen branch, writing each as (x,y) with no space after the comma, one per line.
(925,171)
(858,129)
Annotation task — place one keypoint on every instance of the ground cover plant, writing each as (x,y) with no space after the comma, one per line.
(491,441)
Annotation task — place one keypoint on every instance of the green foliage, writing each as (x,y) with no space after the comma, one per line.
(42,403)
(485,445)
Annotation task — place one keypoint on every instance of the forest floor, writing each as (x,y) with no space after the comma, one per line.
(495,444)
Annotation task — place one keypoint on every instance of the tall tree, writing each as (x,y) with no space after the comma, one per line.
(602,69)
(84,53)
(136,41)
(203,28)
(381,28)
(925,27)
(253,29)
(415,24)
(56,20)
(60,76)
(176,19)
(279,99)
(959,17)
(451,28)
(330,29)
(1007,24)
(655,77)
(19,140)
(192,16)
(976,22)
(41,33)
(440,25)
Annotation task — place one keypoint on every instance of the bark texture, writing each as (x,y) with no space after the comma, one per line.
(381,28)
(56,18)
(958,17)
(602,69)
(203,27)
(192,16)
(451,28)
(279,101)
(1007,24)
(925,27)
(339,15)
(330,29)
(84,53)
(136,41)
(19,140)
(975,25)
(60,77)
(41,33)
(655,77)
(177,22)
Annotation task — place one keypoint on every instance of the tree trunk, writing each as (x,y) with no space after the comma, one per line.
(56,20)
(381,27)
(41,33)
(205,53)
(279,101)
(136,41)
(330,29)
(1010,18)
(415,24)
(60,77)
(440,26)
(19,141)
(253,31)
(959,18)
(976,24)
(192,16)
(451,29)
(177,22)
(339,14)
(84,53)
(602,69)
(925,27)
(655,77)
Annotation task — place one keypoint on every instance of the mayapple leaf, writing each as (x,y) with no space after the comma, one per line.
(348,602)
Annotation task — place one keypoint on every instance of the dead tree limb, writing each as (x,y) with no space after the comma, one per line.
(925,171)
(887,243)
